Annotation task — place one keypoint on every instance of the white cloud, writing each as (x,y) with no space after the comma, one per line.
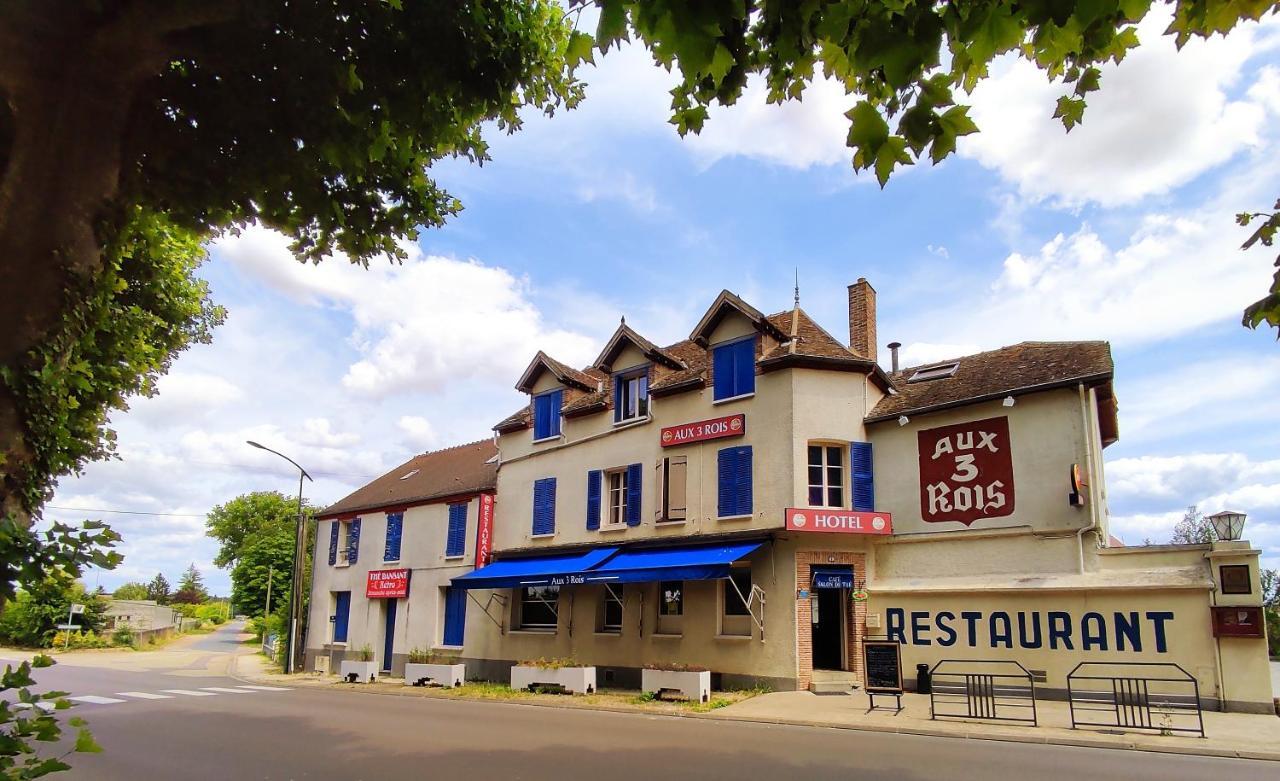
(1244,389)
(185,395)
(917,353)
(1162,117)
(421,325)
(623,187)
(419,433)
(939,250)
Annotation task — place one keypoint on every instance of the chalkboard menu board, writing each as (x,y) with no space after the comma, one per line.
(882,659)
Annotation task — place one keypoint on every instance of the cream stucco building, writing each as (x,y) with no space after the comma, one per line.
(762,497)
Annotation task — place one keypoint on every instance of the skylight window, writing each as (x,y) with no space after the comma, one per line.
(409,474)
(935,372)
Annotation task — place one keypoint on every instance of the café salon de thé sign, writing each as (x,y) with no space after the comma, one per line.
(966,472)
(703,430)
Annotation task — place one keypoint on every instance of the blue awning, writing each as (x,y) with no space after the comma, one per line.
(687,562)
(832,576)
(557,570)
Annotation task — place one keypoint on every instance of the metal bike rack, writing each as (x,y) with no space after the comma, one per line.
(1159,696)
(985,689)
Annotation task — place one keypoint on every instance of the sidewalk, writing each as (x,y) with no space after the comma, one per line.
(1241,735)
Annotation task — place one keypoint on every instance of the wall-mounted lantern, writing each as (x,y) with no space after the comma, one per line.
(1228,524)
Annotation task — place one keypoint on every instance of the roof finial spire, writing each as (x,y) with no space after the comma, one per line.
(797,287)
(624,319)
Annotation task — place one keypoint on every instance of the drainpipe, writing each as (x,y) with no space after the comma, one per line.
(1088,465)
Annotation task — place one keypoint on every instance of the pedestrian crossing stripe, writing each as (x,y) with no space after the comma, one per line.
(265,688)
(145,695)
(223,690)
(189,693)
(94,699)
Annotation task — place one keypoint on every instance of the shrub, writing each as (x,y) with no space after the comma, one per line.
(80,640)
(554,663)
(363,654)
(422,656)
(676,667)
(122,636)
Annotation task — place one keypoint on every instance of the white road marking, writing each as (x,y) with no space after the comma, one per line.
(222,690)
(145,695)
(265,688)
(189,693)
(44,705)
(94,699)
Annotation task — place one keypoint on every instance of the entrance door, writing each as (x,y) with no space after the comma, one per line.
(828,628)
(390,633)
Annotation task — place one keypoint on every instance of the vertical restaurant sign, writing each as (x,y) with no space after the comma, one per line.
(484,531)
(702,430)
(966,472)
(387,584)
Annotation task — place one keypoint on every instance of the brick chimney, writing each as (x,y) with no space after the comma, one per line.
(862,318)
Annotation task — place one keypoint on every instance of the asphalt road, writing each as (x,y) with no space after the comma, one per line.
(318,734)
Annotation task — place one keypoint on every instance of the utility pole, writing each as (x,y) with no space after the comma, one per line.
(270,571)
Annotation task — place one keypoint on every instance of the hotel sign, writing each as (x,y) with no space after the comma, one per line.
(838,521)
(966,472)
(387,584)
(484,531)
(716,428)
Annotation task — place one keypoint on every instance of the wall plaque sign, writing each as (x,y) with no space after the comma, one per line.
(387,584)
(966,472)
(838,521)
(702,430)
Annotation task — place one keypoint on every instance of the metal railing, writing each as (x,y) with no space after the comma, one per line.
(1159,696)
(985,689)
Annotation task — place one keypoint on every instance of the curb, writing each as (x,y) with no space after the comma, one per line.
(1080,742)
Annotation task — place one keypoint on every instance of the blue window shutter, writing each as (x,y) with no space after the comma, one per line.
(557,400)
(544,506)
(722,371)
(594,480)
(395,530)
(744,367)
(541,418)
(333,542)
(742,478)
(618,411)
(456,542)
(353,542)
(634,494)
(726,468)
(860,465)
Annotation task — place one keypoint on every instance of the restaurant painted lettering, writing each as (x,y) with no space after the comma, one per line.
(716,428)
(1057,630)
(966,472)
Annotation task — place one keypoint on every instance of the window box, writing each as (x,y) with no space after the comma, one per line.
(575,680)
(445,676)
(695,686)
(358,672)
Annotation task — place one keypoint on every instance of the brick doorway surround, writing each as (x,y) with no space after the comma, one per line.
(855,618)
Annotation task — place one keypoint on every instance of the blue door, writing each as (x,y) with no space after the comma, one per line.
(341,614)
(388,644)
(455,615)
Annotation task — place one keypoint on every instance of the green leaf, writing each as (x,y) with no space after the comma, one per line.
(892,153)
(612,26)
(579,49)
(721,63)
(85,744)
(1089,81)
(868,130)
(1070,110)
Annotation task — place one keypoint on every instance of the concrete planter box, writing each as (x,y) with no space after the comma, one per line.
(694,685)
(365,672)
(445,675)
(576,680)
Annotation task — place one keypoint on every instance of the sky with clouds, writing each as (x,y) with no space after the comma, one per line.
(1121,230)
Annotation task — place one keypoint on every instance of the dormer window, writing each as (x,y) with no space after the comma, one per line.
(940,372)
(546,415)
(733,366)
(631,395)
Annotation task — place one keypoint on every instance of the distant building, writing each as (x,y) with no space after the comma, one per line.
(140,615)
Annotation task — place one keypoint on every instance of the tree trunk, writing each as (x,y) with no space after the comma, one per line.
(68,104)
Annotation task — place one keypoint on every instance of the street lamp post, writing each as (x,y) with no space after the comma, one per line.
(295,589)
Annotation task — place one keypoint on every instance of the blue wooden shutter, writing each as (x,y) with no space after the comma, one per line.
(544,506)
(726,468)
(634,478)
(455,615)
(594,480)
(864,492)
(744,367)
(456,542)
(722,371)
(353,542)
(333,542)
(546,414)
(742,481)
(395,530)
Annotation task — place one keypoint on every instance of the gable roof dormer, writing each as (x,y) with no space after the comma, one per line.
(728,303)
(564,374)
(626,335)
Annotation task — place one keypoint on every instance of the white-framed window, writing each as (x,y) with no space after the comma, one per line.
(609,612)
(631,395)
(672,486)
(615,498)
(735,616)
(538,608)
(826,475)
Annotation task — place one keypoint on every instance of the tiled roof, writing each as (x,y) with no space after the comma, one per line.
(806,337)
(562,372)
(626,333)
(464,469)
(1009,370)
